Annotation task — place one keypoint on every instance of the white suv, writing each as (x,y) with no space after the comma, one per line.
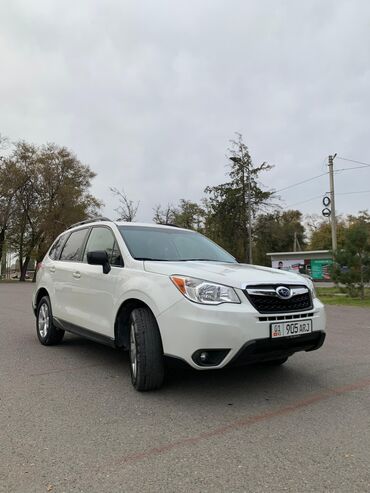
(164,292)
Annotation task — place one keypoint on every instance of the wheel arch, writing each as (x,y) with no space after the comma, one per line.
(121,325)
(40,294)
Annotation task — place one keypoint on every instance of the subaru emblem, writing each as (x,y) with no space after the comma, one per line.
(283,292)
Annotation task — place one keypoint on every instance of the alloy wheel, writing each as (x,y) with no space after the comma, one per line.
(43,320)
(133,351)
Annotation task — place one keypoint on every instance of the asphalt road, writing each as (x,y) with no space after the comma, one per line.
(71,422)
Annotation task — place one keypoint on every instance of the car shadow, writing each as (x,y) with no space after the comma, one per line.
(227,386)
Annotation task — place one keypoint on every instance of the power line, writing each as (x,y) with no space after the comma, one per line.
(351,193)
(300,183)
(322,195)
(363,165)
(354,161)
(346,169)
(305,201)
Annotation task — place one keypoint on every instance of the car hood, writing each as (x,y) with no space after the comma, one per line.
(235,275)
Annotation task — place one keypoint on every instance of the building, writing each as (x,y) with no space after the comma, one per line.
(315,263)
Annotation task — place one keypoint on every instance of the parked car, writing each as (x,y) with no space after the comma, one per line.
(163,292)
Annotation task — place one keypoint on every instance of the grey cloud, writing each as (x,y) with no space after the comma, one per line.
(149,93)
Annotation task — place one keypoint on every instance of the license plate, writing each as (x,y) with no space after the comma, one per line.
(287,329)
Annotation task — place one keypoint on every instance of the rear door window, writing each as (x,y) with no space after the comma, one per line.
(73,248)
(55,249)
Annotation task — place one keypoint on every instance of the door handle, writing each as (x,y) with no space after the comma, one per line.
(76,275)
(52,269)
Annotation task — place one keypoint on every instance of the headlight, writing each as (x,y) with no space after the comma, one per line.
(311,287)
(207,293)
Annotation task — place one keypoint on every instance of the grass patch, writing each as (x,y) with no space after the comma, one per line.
(338,296)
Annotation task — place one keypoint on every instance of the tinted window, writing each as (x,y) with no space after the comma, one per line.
(72,249)
(171,244)
(103,239)
(55,249)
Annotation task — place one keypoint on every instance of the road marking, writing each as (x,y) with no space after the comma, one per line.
(243,423)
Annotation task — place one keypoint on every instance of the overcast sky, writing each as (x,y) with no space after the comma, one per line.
(149,93)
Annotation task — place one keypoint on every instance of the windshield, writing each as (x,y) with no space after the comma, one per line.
(171,244)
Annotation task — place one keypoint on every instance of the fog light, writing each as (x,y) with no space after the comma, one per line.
(209,357)
(203,357)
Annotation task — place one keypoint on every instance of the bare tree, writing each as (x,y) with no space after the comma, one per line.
(4,144)
(164,215)
(127,209)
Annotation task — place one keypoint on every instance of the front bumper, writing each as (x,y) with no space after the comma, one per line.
(186,328)
(273,349)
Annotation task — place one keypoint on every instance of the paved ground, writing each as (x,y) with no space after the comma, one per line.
(71,422)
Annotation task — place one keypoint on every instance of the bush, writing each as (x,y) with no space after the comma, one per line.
(352,262)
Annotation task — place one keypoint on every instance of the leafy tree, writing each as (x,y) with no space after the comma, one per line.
(352,262)
(7,192)
(51,193)
(11,181)
(16,174)
(63,187)
(277,232)
(320,233)
(229,204)
(363,218)
(187,214)
(224,220)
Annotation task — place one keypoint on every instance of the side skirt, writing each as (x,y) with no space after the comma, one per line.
(81,331)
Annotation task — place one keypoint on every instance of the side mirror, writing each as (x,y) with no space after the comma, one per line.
(99,257)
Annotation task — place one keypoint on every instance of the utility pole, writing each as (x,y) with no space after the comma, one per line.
(332,203)
(296,244)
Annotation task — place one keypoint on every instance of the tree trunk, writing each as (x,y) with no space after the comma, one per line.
(24,268)
(2,241)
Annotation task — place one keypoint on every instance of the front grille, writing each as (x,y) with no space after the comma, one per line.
(274,304)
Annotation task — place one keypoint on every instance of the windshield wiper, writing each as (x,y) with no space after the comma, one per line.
(182,259)
(150,258)
(199,260)
(206,260)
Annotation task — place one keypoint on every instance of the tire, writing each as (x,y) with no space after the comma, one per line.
(276,362)
(47,333)
(146,351)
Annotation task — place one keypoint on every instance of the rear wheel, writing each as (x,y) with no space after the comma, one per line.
(47,333)
(146,352)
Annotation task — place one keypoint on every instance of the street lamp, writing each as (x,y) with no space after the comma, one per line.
(239,160)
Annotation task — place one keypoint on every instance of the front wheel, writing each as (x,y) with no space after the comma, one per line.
(146,352)
(47,333)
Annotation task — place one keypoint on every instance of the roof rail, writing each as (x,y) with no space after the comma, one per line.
(87,221)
